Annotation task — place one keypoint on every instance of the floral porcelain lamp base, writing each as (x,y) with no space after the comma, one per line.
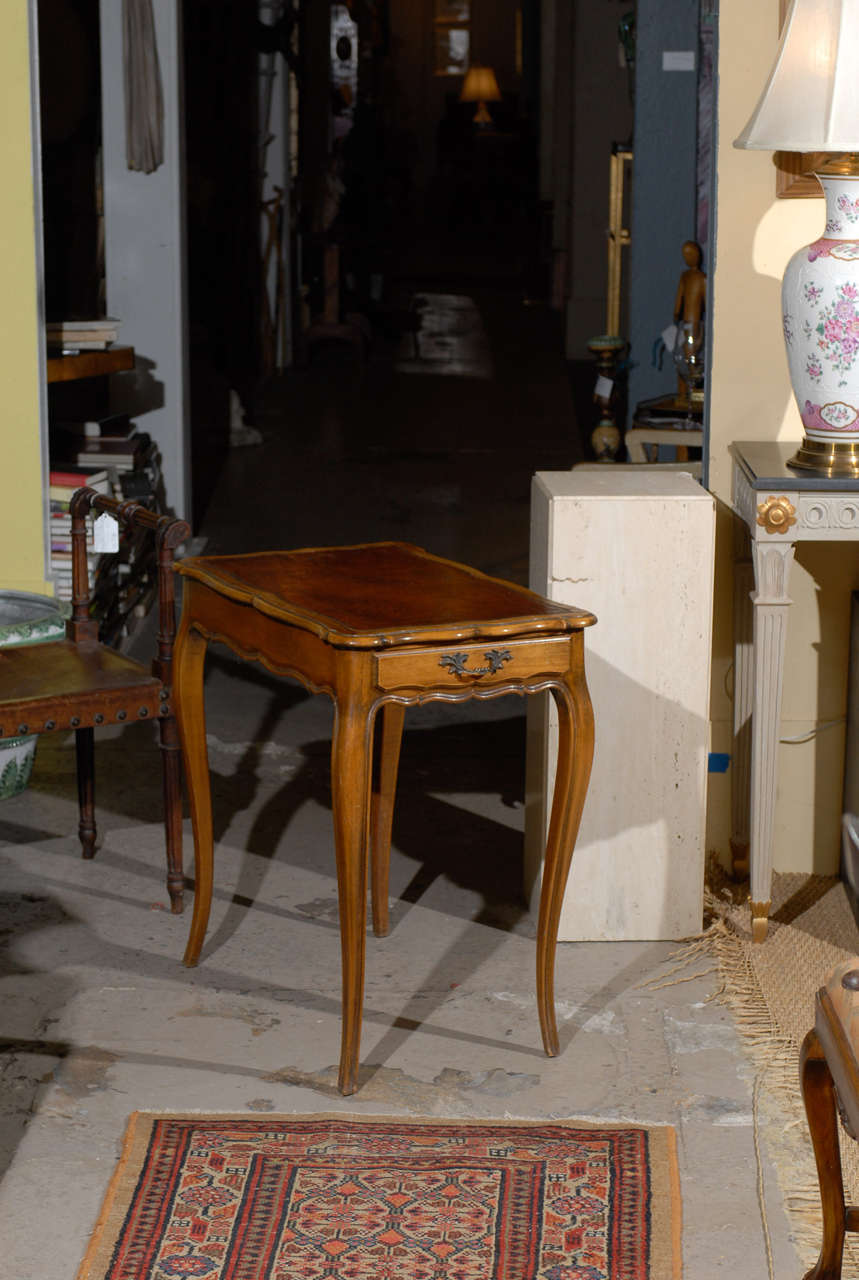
(820,307)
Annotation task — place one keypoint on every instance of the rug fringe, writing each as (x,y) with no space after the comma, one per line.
(775,1057)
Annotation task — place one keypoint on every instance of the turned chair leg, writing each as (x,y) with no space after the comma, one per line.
(84,751)
(818,1093)
(171,759)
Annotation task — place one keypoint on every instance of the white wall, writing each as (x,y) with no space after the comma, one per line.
(145,261)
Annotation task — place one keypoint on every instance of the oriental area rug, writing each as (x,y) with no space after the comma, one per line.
(353,1198)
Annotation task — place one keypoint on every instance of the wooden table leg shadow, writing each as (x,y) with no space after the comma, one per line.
(829,1076)
(380,627)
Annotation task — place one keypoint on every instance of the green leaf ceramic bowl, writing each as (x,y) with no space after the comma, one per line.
(25,618)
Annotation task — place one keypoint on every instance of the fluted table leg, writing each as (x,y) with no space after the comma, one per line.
(743,702)
(771,602)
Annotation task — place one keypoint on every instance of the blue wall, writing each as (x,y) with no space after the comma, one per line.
(663,190)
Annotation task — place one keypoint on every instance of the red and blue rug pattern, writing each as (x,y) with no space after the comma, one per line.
(327,1198)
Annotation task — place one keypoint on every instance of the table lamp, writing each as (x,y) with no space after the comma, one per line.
(811,103)
(480,86)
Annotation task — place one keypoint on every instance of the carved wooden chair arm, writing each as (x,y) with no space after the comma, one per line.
(169,533)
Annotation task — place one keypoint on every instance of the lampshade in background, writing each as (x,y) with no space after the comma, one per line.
(480,86)
(811,103)
(811,100)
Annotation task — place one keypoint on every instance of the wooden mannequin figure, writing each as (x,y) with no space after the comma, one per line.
(691,298)
(692,287)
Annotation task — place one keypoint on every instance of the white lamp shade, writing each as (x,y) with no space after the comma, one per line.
(811,100)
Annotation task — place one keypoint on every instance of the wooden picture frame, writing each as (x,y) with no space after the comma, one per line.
(794,169)
(455,13)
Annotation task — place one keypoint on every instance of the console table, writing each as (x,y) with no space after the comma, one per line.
(779,507)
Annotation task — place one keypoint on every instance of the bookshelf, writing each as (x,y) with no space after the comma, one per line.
(90,364)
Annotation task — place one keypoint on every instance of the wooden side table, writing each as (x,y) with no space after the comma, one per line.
(778,507)
(380,627)
(829,1076)
(665,420)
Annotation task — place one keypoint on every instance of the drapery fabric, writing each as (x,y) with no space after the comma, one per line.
(144,97)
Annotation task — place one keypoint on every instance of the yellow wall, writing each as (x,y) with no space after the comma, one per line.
(22,551)
(751,399)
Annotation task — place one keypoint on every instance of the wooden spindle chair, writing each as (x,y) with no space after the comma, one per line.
(81,683)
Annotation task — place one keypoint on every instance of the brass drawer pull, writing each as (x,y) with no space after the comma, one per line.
(456,663)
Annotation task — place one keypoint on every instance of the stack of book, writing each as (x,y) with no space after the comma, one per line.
(62,484)
(111,426)
(112,442)
(126,449)
(82,335)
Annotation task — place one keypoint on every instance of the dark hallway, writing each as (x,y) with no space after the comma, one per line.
(432,438)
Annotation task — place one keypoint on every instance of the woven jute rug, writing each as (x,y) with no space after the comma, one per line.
(770,990)
(359,1198)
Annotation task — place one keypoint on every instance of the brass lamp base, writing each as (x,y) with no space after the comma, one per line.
(831,459)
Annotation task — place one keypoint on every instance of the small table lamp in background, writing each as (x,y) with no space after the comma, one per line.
(811,103)
(480,86)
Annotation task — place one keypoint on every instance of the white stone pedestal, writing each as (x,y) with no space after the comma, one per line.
(635,547)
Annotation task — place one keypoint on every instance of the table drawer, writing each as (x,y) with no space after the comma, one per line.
(488,663)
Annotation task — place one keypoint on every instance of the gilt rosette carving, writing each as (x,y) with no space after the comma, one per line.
(776,514)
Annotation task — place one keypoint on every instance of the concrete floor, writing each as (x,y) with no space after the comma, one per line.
(100,1018)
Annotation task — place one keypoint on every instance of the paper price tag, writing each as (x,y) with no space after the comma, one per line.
(678,59)
(604,388)
(669,337)
(105,533)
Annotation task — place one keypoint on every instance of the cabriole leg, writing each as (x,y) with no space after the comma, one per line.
(351,769)
(575,756)
(191,720)
(388,735)
(818,1093)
